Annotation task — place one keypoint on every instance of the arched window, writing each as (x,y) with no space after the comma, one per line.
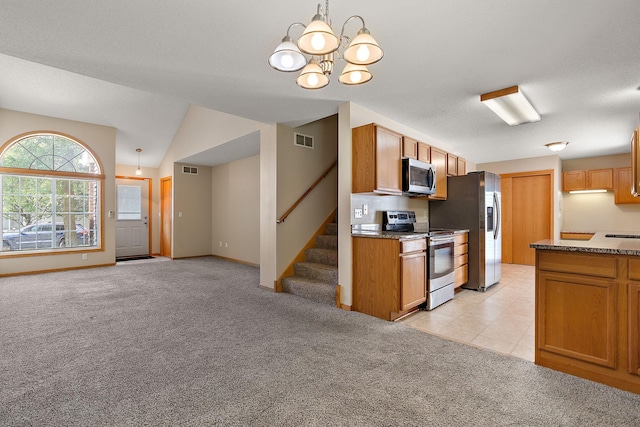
(50,194)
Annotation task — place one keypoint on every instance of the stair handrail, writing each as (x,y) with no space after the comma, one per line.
(306,193)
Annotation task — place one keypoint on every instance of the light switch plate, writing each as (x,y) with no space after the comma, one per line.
(358,213)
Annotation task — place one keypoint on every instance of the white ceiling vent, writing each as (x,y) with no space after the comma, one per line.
(190,170)
(305,141)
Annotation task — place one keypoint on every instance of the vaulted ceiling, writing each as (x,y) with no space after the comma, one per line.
(138,65)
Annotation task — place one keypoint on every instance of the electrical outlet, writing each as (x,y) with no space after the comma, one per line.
(220,243)
(226,245)
(85,257)
(358,213)
(365,209)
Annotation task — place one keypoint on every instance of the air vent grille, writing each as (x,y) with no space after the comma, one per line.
(305,141)
(190,170)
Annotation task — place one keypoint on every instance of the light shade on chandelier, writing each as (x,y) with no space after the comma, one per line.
(320,42)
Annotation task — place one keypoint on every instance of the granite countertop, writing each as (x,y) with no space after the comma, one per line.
(399,235)
(599,244)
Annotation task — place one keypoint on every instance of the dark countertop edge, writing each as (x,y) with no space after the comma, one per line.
(595,245)
(397,235)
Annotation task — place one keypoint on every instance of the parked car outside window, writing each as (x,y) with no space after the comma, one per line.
(40,236)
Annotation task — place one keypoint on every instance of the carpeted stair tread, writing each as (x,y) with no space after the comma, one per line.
(325,241)
(311,289)
(331,229)
(321,272)
(322,256)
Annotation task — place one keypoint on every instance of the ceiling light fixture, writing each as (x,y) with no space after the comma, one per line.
(510,105)
(320,42)
(138,171)
(557,146)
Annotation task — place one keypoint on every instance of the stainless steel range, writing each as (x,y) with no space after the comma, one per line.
(440,276)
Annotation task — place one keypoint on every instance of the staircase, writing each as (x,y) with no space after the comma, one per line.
(316,278)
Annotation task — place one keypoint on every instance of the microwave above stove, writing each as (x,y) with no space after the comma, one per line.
(418,178)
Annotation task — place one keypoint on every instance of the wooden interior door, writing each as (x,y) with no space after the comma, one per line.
(165,217)
(527,200)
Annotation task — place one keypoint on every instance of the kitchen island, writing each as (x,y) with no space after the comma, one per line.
(587,311)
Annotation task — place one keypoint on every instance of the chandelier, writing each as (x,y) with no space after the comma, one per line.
(320,42)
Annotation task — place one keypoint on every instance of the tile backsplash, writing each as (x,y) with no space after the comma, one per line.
(376,204)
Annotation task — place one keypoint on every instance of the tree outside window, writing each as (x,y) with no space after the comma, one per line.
(48,179)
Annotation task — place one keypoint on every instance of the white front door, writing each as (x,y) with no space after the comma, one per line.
(132,217)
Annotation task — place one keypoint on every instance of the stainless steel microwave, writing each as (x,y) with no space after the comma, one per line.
(418,177)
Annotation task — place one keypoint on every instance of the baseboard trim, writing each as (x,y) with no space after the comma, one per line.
(239,261)
(55,270)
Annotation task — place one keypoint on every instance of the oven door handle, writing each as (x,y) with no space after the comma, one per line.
(431,241)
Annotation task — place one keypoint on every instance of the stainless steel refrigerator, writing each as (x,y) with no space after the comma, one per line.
(473,203)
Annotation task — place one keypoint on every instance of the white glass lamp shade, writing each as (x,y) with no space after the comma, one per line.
(363,50)
(511,106)
(312,77)
(318,38)
(557,146)
(355,74)
(287,56)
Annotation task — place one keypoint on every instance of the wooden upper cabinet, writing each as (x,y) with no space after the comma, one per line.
(574,180)
(439,161)
(622,187)
(594,179)
(424,152)
(462,166)
(600,179)
(452,165)
(376,160)
(409,147)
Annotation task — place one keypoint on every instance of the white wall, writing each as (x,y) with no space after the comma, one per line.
(597,211)
(298,169)
(203,129)
(102,141)
(235,208)
(192,223)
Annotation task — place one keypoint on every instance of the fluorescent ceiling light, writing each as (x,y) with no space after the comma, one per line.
(557,146)
(511,106)
(586,191)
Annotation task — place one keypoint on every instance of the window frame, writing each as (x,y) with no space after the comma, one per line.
(100,177)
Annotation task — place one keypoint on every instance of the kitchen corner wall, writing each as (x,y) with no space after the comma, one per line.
(376,204)
(597,211)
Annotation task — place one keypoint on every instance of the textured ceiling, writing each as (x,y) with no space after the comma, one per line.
(138,65)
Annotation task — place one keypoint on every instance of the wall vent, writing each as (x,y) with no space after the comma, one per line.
(190,170)
(305,141)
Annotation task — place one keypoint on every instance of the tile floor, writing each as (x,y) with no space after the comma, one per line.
(500,319)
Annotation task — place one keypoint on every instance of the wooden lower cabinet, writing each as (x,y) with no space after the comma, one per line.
(461,259)
(587,316)
(389,276)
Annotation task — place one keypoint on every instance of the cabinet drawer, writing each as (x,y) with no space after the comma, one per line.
(460,249)
(460,260)
(461,238)
(586,265)
(413,245)
(460,275)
